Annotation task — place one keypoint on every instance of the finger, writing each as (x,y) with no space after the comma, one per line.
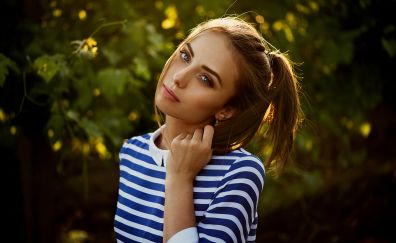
(188,137)
(180,137)
(208,135)
(198,134)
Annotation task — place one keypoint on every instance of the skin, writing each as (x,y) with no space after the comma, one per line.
(201,98)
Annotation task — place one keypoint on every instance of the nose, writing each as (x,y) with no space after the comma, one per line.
(180,78)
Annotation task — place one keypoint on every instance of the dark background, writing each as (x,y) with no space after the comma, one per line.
(64,113)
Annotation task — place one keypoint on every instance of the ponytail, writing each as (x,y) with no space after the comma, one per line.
(284,111)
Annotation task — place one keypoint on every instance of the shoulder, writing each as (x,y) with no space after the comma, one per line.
(245,164)
(136,150)
(247,159)
(245,173)
(144,138)
(136,142)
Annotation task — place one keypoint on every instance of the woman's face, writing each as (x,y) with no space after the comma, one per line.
(200,80)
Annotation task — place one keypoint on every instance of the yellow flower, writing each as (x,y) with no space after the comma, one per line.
(57,12)
(2,115)
(78,235)
(87,48)
(291,19)
(82,15)
(171,17)
(308,144)
(277,25)
(133,116)
(91,42)
(159,4)
(94,50)
(200,10)
(50,133)
(102,150)
(171,12)
(301,8)
(365,129)
(168,23)
(86,149)
(57,145)
(96,92)
(13,130)
(259,19)
(314,6)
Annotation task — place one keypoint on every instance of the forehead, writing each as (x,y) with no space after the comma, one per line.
(215,50)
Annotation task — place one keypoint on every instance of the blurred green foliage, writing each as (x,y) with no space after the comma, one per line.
(84,74)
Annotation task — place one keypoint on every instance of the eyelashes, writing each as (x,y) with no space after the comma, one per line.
(204,78)
(185,56)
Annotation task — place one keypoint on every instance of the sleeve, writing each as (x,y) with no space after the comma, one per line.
(232,213)
(123,149)
(186,235)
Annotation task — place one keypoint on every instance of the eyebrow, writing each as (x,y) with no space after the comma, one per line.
(213,73)
(190,49)
(204,66)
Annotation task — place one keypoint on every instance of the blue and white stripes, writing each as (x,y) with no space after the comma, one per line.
(226,194)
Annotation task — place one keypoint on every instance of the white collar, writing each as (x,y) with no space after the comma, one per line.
(159,155)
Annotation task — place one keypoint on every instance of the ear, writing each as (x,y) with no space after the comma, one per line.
(225,113)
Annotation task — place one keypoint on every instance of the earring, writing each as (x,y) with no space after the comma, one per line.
(216,123)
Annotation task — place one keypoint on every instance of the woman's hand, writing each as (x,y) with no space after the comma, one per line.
(189,153)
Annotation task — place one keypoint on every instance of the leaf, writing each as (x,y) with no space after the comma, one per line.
(72,115)
(48,66)
(112,82)
(114,123)
(91,128)
(85,94)
(56,123)
(5,65)
(141,68)
(111,55)
(390,46)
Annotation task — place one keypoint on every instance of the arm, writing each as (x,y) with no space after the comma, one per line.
(188,155)
(232,215)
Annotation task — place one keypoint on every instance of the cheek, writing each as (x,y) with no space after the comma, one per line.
(207,104)
(156,98)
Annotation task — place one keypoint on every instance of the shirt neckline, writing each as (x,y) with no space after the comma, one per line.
(159,155)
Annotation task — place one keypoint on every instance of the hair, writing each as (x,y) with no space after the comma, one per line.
(268,91)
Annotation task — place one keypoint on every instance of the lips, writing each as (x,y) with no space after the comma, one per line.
(169,93)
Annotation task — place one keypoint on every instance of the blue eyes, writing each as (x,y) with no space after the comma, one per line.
(205,79)
(184,56)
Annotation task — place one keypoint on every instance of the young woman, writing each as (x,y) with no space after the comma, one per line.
(191,181)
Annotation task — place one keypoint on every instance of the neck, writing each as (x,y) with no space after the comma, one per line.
(174,127)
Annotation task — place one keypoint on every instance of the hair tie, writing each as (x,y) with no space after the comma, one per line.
(269,55)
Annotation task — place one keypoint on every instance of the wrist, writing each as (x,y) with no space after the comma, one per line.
(179,178)
(178,181)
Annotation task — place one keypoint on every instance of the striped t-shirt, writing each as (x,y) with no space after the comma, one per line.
(226,194)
